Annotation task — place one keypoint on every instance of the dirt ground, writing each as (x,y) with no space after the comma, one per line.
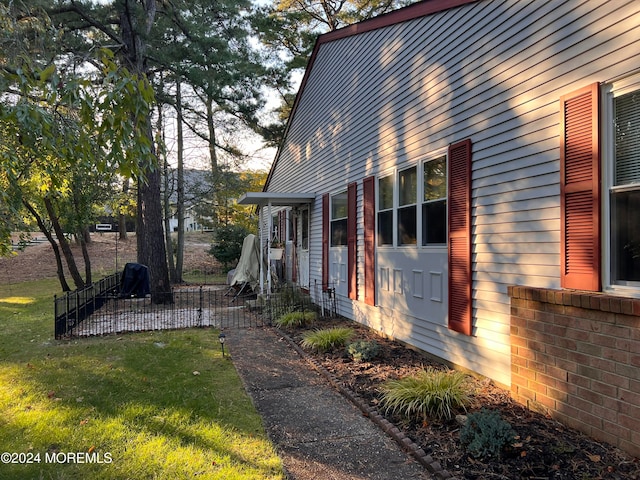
(544,449)
(106,254)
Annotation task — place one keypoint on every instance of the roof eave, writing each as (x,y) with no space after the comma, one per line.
(276,199)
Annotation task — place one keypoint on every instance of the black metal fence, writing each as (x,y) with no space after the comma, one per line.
(74,307)
(190,307)
(100,310)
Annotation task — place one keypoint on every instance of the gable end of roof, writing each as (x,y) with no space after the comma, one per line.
(411,12)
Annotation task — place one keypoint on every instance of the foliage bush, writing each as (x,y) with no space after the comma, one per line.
(296,319)
(327,340)
(228,246)
(363,351)
(289,299)
(486,434)
(431,393)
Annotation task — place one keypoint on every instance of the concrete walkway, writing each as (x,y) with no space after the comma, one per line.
(318,433)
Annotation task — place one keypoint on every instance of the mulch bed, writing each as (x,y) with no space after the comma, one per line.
(544,448)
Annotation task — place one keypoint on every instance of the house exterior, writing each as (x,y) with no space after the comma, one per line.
(474,168)
(191,221)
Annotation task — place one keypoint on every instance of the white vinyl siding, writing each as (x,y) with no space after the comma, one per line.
(491,71)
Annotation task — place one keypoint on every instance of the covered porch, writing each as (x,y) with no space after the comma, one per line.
(265,202)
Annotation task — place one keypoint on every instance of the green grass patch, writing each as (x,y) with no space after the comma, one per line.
(162,405)
(327,339)
(431,393)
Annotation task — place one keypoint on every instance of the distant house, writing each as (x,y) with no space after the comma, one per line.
(191,221)
(198,193)
(465,175)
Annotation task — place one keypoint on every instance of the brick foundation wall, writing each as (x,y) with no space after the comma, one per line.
(576,356)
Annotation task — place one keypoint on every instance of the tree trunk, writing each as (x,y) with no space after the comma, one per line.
(151,244)
(122,218)
(83,238)
(166,199)
(56,251)
(180,187)
(213,157)
(167,225)
(64,244)
(85,255)
(150,235)
(212,138)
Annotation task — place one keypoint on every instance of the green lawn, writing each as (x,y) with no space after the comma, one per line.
(136,406)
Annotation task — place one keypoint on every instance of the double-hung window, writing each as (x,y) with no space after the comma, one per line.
(621,162)
(385,209)
(407,205)
(338,220)
(412,205)
(434,202)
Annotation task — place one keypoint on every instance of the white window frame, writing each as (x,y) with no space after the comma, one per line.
(406,206)
(418,164)
(423,162)
(394,175)
(609,91)
(345,219)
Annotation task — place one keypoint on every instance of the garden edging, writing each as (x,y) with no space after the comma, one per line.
(408,445)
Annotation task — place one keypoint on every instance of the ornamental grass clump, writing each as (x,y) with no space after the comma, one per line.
(296,319)
(327,340)
(432,393)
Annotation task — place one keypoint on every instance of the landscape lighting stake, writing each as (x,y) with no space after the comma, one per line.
(222,337)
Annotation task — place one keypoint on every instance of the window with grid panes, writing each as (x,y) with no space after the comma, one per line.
(623,161)
(338,219)
(434,202)
(385,210)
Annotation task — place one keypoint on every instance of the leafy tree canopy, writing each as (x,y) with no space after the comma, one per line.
(57,126)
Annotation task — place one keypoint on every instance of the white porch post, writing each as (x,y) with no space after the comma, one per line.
(261,226)
(270,227)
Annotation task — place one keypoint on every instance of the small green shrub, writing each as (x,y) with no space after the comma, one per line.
(431,394)
(296,319)
(486,434)
(228,246)
(363,351)
(289,299)
(327,339)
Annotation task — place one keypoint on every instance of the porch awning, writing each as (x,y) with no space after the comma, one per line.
(276,199)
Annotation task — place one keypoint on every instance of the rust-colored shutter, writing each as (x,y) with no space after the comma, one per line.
(352,192)
(459,227)
(580,189)
(325,241)
(369,218)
